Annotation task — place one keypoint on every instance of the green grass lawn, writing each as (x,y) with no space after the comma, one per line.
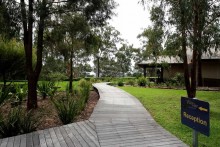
(61,84)
(164,106)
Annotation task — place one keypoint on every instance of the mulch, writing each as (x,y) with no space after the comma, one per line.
(47,112)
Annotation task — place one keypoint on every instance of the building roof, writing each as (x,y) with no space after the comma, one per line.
(175,60)
(160,60)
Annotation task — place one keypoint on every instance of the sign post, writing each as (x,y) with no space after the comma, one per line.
(195,114)
(195,138)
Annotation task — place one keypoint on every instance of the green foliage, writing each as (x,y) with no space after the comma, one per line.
(177,80)
(131,82)
(92,80)
(120,83)
(28,122)
(57,76)
(73,103)
(12,59)
(151,84)
(46,88)
(66,109)
(142,81)
(20,92)
(84,89)
(4,94)
(18,122)
(9,126)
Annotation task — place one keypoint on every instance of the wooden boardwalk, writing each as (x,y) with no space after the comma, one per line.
(119,119)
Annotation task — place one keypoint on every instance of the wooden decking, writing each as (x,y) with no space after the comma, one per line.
(119,119)
(80,134)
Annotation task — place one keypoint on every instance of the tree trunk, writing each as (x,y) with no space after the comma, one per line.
(196,44)
(200,80)
(32,93)
(71,73)
(183,44)
(32,74)
(98,66)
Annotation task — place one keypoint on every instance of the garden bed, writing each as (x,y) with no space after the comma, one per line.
(47,112)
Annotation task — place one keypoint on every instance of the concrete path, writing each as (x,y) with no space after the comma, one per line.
(119,119)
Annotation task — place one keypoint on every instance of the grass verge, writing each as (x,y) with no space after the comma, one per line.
(164,106)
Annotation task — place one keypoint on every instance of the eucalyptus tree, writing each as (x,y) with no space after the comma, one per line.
(152,37)
(105,41)
(124,58)
(186,22)
(36,13)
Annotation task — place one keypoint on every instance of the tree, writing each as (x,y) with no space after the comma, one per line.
(189,19)
(12,60)
(152,37)
(96,12)
(124,57)
(9,19)
(104,44)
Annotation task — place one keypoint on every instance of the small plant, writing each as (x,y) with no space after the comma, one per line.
(120,83)
(131,82)
(17,122)
(46,88)
(151,84)
(177,80)
(84,89)
(10,125)
(28,122)
(142,81)
(21,92)
(92,80)
(66,109)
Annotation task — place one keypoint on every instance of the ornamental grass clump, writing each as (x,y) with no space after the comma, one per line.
(84,89)
(66,109)
(46,88)
(17,122)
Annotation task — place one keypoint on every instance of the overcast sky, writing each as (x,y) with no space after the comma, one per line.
(130,20)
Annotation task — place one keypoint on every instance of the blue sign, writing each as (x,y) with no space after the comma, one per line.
(195,114)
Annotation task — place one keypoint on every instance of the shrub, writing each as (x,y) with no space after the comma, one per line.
(84,89)
(46,88)
(142,81)
(151,84)
(131,82)
(66,109)
(92,80)
(177,80)
(120,83)
(57,76)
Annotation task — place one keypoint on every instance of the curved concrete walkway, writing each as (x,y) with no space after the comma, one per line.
(119,119)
